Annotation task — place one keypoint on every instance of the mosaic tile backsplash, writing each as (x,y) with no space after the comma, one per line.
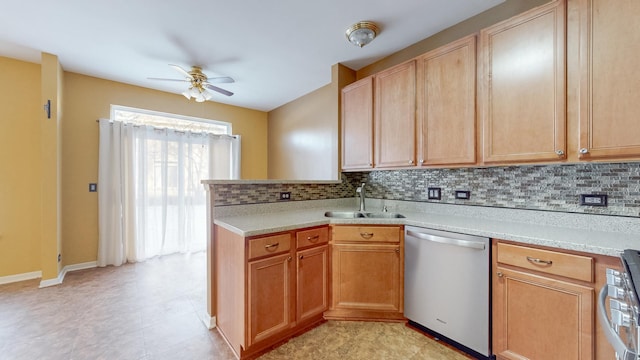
(538,187)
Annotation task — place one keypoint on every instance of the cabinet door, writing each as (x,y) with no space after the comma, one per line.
(313,273)
(609,79)
(447,104)
(394,117)
(523,87)
(270,292)
(536,317)
(357,125)
(367,277)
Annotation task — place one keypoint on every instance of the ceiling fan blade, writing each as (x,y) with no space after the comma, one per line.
(182,71)
(163,79)
(220,80)
(221,91)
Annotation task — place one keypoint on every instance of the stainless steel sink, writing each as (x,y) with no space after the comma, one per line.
(358,214)
(344,214)
(384,215)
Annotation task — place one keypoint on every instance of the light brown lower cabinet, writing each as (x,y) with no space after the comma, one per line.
(268,288)
(313,282)
(367,273)
(544,304)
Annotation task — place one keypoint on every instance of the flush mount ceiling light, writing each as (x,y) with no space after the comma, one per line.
(362,33)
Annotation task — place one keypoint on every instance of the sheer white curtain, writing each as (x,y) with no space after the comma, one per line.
(151,201)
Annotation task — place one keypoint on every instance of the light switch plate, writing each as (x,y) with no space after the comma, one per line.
(93,187)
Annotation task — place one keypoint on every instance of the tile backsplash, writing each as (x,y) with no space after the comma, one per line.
(261,193)
(538,187)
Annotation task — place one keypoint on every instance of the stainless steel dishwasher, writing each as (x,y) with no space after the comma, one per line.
(446,289)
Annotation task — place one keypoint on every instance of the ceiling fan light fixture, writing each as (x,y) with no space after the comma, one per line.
(362,33)
(187,93)
(194,92)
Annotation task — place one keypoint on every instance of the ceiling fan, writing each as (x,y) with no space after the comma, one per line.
(199,83)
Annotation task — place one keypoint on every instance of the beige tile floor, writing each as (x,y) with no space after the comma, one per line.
(152,310)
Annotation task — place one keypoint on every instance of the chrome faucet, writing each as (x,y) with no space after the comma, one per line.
(360,192)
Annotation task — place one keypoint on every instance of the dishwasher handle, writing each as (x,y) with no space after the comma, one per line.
(445,240)
(622,352)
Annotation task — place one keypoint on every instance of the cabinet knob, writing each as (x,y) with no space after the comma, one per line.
(398,250)
(370,165)
(301,257)
(421,161)
(584,151)
(289,258)
(410,162)
(559,152)
(499,274)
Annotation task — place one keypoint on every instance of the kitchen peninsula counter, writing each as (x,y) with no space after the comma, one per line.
(597,234)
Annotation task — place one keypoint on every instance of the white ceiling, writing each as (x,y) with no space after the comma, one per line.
(276,50)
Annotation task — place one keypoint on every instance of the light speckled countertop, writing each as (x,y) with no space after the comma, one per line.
(598,234)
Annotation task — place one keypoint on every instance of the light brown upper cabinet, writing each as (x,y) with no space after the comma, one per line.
(446,99)
(394,116)
(357,125)
(523,87)
(609,92)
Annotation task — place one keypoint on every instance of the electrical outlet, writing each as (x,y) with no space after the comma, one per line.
(93,187)
(463,195)
(593,200)
(433,193)
(285,195)
(59,257)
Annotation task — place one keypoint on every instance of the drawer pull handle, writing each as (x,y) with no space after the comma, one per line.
(271,245)
(366,235)
(313,238)
(539,261)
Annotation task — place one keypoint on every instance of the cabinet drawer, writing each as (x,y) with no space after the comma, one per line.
(367,233)
(312,237)
(551,262)
(269,245)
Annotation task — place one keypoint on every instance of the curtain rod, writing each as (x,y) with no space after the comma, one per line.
(180,131)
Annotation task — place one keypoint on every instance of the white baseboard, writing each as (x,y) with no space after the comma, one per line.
(20,277)
(52,282)
(65,270)
(81,266)
(209,322)
(49,282)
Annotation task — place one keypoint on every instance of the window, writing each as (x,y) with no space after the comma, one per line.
(152,201)
(165,120)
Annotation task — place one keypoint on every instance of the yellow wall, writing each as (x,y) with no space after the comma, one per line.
(87,99)
(20,167)
(303,138)
(467,27)
(304,134)
(51,163)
